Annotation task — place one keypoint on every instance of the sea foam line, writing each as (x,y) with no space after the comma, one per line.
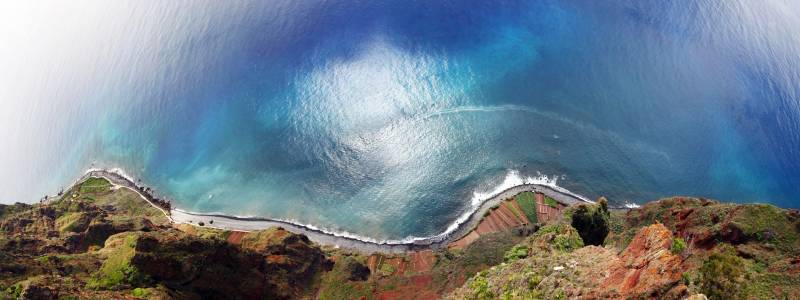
(479,200)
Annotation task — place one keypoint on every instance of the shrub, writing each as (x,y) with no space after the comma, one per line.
(591,221)
(356,270)
(480,288)
(678,245)
(15,291)
(560,237)
(387,269)
(603,203)
(723,275)
(140,293)
(518,252)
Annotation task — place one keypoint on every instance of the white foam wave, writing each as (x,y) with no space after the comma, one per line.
(631,205)
(470,108)
(512,179)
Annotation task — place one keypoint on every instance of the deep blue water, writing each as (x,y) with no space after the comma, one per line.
(384,118)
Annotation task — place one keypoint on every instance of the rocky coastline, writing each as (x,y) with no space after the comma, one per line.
(324,237)
(99,240)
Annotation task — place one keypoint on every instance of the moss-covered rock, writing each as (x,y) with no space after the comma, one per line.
(557,237)
(591,221)
(117,271)
(73,222)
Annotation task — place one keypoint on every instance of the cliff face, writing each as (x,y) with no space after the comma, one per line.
(106,243)
(102,243)
(645,269)
(669,249)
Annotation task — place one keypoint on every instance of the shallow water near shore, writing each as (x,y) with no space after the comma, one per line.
(392,119)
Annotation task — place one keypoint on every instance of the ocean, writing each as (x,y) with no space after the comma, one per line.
(390,119)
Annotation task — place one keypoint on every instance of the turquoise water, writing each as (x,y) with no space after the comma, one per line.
(390,119)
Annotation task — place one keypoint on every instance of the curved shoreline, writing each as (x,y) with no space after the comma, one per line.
(457,230)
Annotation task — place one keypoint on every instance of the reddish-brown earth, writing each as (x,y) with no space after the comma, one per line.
(235,237)
(503,218)
(547,213)
(422,261)
(647,266)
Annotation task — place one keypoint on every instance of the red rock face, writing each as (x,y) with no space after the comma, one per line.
(646,267)
(236,237)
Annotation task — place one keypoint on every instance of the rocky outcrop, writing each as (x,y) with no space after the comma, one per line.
(291,255)
(674,248)
(105,243)
(705,223)
(208,267)
(646,268)
(272,264)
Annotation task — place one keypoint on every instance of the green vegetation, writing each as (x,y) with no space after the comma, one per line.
(736,252)
(723,275)
(140,293)
(772,286)
(547,273)
(69,222)
(480,288)
(527,202)
(337,283)
(559,237)
(550,202)
(116,271)
(207,232)
(387,269)
(12,209)
(94,185)
(487,251)
(592,222)
(14,291)
(129,203)
(518,214)
(678,245)
(518,252)
(767,223)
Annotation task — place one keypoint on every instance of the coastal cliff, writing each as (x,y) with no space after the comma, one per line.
(103,241)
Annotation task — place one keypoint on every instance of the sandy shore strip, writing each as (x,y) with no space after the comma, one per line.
(342,240)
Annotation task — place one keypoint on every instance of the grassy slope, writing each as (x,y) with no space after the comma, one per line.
(527,202)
